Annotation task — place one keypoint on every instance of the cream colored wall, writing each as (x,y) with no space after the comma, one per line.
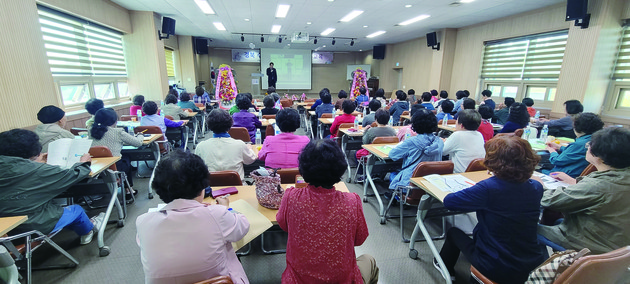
(188,64)
(414,57)
(104,12)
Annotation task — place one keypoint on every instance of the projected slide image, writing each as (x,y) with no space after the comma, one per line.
(293,67)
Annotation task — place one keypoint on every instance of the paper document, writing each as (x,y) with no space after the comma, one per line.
(331,120)
(258,223)
(66,152)
(387,148)
(549,182)
(450,183)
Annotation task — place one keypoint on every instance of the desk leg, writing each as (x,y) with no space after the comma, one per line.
(368,169)
(320,130)
(111,182)
(196,126)
(344,143)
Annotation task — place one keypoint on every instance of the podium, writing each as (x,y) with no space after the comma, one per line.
(256,78)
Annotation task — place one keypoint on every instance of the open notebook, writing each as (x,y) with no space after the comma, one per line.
(66,152)
(450,183)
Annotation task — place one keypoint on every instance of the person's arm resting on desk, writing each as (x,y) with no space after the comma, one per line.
(572,198)
(469,199)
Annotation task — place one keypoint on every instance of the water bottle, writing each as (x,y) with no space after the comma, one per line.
(391,121)
(544,133)
(527,131)
(259,115)
(130,128)
(334,113)
(537,116)
(276,129)
(258,136)
(356,122)
(533,135)
(364,111)
(407,135)
(161,104)
(139,114)
(445,121)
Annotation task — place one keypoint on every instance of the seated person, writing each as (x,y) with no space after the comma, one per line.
(188,241)
(171,108)
(466,143)
(321,249)
(517,119)
(151,118)
(138,101)
(105,133)
(443,97)
(447,108)
(221,152)
(346,117)
(270,106)
(380,96)
(252,108)
(244,118)
(276,98)
(403,131)
(29,186)
(485,128)
(411,96)
(184,102)
(529,102)
(571,159)
(362,98)
(424,147)
(201,96)
(563,127)
(92,106)
(486,100)
(426,101)
(467,104)
(282,150)
(504,246)
(381,130)
(54,120)
(501,115)
(342,96)
(460,95)
(434,96)
(399,107)
(319,101)
(326,106)
(596,207)
(374,105)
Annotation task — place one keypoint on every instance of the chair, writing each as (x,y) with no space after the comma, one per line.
(169,117)
(480,277)
(269,116)
(402,120)
(126,117)
(363,160)
(240,133)
(385,140)
(122,181)
(519,132)
(344,125)
(152,129)
(589,169)
(374,124)
(269,131)
(476,165)
(451,121)
(75,130)
(199,105)
(286,103)
(224,178)
(326,115)
(224,279)
(287,176)
(605,268)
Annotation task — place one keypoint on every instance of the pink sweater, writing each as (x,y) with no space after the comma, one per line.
(282,150)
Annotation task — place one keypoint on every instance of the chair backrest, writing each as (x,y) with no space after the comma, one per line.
(310,100)
(286,102)
(428,168)
(589,169)
(345,125)
(405,112)
(152,129)
(602,268)
(451,121)
(476,165)
(224,178)
(199,105)
(269,131)
(187,109)
(269,116)
(480,277)
(126,117)
(326,115)
(240,133)
(519,132)
(385,140)
(217,280)
(75,130)
(288,175)
(102,152)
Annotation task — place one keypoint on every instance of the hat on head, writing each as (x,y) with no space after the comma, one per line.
(50,114)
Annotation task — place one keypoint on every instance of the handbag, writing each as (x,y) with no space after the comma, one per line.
(268,190)
(549,271)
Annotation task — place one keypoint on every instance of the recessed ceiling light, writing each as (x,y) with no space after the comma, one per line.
(204,6)
(246,20)
(360,49)
(351,15)
(308,23)
(466,1)
(324,45)
(327,31)
(408,6)
(375,34)
(282,10)
(331,0)
(275,29)
(411,21)
(365,26)
(219,26)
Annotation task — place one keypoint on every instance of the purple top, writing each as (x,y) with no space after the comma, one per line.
(247,120)
(282,150)
(156,120)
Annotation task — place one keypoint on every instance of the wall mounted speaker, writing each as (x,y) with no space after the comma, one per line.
(378,52)
(201,45)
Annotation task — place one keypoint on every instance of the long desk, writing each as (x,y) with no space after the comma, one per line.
(9,223)
(385,165)
(98,165)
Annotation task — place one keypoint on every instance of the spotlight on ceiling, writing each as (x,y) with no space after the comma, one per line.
(333,42)
(242,37)
(315,41)
(262,38)
(352,43)
(280,39)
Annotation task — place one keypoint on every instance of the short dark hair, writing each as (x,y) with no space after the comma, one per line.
(103,118)
(322,163)
(486,93)
(611,145)
(415,108)
(400,95)
(468,103)
(528,101)
(381,116)
(184,97)
(374,105)
(271,63)
(348,106)
(219,121)
(324,91)
(467,93)
(180,175)
(447,106)
(424,122)
(362,90)
(460,94)
(269,102)
(149,108)
(271,89)
(510,158)
(199,91)
(411,92)
(342,94)
(379,93)
(243,102)
(19,143)
(170,99)
(518,114)
(587,123)
(93,105)
(426,96)
(486,112)
(508,101)
(434,93)
(573,106)
(249,95)
(173,91)
(443,94)
(326,98)
(470,119)
(288,120)
(138,100)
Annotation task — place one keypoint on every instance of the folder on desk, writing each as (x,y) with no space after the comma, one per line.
(450,183)
(258,223)
(549,182)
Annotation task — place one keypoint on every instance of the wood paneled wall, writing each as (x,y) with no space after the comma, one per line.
(104,12)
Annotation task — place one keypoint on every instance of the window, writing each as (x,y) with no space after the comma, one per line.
(170,65)
(624,99)
(541,93)
(622,65)
(618,98)
(503,91)
(104,91)
(75,94)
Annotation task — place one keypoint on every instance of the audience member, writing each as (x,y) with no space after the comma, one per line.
(326,106)
(282,150)
(319,101)
(466,143)
(362,98)
(346,117)
(54,121)
(485,128)
(246,119)
(138,101)
(563,127)
(487,100)
(151,118)
(443,97)
(270,106)
(447,108)
(201,96)
(501,115)
(529,102)
(403,131)
(399,107)
(467,104)
(434,96)
(380,96)
(92,106)
(342,96)
(184,102)
(381,130)
(411,96)
(518,118)
(374,105)
(426,101)
(460,95)
(172,109)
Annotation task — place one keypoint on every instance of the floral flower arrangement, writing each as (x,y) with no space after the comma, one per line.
(359,79)
(226,87)
(303,97)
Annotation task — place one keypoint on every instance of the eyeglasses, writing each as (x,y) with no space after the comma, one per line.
(587,145)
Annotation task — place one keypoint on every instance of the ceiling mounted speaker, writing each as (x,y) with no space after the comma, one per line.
(242,38)
(315,41)
(262,38)
(352,43)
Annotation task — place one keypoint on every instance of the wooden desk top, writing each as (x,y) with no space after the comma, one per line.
(449,127)
(150,139)
(191,114)
(248,193)
(440,194)
(326,120)
(9,223)
(266,122)
(300,104)
(201,108)
(372,148)
(100,164)
(256,148)
(361,131)
(407,117)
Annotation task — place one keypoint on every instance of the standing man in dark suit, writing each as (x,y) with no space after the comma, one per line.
(272,76)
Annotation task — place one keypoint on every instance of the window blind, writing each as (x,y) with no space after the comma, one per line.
(76,47)
(622,66)
(536,57)
(170,65)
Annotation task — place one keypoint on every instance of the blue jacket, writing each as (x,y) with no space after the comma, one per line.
(458,105)
(324,108)
(317,103)
(362,98)
(571,159)
(428,106)
(416,149)
(441,116)
(397,109)
(510,127)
